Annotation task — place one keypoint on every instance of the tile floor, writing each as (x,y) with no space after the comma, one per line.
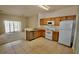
(37,46)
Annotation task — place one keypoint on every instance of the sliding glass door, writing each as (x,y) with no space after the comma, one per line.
(12,26)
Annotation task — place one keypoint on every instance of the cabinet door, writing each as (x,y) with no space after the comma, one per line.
(63,18)
(29,35)
(41,33)
(35,34)
(57,21)
(55,36)
(44,21)
(41,21)
(71,17)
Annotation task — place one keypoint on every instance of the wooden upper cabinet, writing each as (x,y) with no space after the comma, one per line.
(52,19)
(57,21)
(63,18)
(71,17)
(44,21)
(41,22)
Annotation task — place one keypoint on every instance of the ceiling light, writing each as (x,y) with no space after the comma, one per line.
(45,7)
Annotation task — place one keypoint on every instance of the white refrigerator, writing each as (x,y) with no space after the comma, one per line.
(65,32)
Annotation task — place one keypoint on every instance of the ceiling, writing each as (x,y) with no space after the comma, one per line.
(27,10)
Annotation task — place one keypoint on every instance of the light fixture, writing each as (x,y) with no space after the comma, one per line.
(45,7)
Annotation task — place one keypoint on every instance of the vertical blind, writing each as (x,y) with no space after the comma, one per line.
(12,26)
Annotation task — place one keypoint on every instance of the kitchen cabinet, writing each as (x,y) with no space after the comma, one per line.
(44,21)
(41,21)
(36,34)
(39,33)
(57,20)
(63,18)
(52,19)
(30,35)
(71,17)
(55,36)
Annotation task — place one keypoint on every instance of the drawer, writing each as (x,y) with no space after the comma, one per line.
(48,32)
(48,37)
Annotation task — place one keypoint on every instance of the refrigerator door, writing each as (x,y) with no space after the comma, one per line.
(65,37)
(65,32)
(66,25)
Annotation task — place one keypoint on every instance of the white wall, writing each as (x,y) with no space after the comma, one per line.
(76,45)
(33,21)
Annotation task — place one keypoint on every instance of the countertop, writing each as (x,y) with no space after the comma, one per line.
(52,28)
(33,29)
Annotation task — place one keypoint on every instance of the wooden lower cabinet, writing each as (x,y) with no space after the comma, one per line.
(39,33)
(55,36)
(30,35)
(35,34)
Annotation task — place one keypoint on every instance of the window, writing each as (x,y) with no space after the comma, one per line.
(11,26)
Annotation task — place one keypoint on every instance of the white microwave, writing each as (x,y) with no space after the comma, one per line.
(50,22)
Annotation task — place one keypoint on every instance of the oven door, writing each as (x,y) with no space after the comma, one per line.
(48,34)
